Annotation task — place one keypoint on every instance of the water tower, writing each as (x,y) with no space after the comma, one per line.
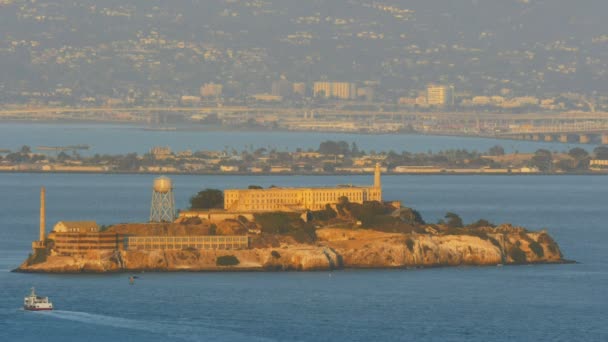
(163,203)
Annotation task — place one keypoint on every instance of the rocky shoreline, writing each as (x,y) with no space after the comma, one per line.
(334,249)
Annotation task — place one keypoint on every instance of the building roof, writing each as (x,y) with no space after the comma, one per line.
(78,224)
(340,187)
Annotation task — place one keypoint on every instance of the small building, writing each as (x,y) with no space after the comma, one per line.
(76,227)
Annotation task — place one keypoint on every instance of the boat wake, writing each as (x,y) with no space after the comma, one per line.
(188,332)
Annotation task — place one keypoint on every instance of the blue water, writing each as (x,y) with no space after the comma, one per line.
(115,139)
(519,303)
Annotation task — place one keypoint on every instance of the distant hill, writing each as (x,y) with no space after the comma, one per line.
(132,48)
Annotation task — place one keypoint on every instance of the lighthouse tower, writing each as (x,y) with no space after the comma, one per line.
(377,181)
(41,243)
(377,188)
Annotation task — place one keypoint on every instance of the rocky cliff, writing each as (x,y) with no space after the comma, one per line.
(334,249)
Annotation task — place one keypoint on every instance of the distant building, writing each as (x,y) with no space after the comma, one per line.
(366,93)
(211,90)
(440,95)
(598,164)
(160,152)
(267,97)
(281,88)
(338,90)
(300,199)
(407,101)
(190,100)
(299,89)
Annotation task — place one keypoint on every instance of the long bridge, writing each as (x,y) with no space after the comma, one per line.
(585,131)
(583,127)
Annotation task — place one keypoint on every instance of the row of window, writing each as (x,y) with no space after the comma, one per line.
(189,245)
(179,239)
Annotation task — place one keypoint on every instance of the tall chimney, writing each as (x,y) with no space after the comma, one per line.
(42,214)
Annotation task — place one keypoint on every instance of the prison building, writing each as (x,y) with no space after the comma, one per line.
(295,199)
(148,243)
(300,199)
(75,243)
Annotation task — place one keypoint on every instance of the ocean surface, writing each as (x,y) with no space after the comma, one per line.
(512,303)
(122,139)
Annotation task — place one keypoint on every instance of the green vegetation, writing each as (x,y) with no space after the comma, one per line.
(411,216)
(207,199)
(453,220)
(227,260)
(381,216)
(324,215)
(281,223)
(543,160)
(369,213)
(481,223)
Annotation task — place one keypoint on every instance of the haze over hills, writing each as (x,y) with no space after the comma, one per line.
(74,50)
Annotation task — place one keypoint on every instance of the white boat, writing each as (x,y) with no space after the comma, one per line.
(36,303)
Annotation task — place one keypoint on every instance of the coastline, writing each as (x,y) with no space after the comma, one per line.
(265,174)
(333,249)
(270,270)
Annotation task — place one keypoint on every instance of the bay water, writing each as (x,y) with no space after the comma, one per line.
(511,303)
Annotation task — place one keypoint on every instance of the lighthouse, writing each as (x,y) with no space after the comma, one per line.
(41,243)
(377,181)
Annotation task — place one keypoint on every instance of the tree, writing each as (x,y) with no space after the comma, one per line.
(254,187)
(129,162)
(601,152)
(62,156)
(543,160)
(334,147)
(496,150)
(453,220)
(578,153)
(25,150)
(481,223)
(207,199)
(411,216)
(354,149)
(580,156)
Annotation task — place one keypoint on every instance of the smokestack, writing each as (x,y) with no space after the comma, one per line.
(42,214)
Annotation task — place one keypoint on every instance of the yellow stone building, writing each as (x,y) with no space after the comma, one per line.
(299,199)
(440,95)
(339,90)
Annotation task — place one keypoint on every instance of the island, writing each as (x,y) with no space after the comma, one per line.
(283,229)
(330,158)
